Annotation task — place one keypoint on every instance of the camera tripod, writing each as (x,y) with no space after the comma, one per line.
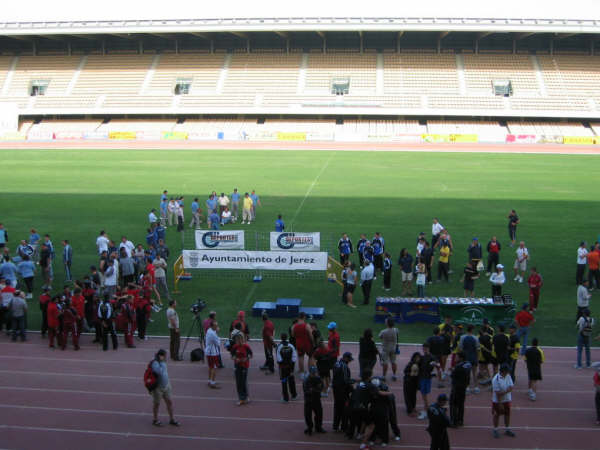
(196,322)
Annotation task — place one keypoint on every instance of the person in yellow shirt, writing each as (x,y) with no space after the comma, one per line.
(443,265)
(247,209)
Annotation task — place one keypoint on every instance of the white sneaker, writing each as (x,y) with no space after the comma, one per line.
(422,415)
(520,279)
(243,222)
(516,278)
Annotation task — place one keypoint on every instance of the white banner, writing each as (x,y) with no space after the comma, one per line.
(295,242)
(217,240)
(238,259)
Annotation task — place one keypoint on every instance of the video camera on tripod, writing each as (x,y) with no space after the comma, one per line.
(198,353)
(198,307)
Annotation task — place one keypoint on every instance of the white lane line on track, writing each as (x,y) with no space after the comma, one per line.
(310,188)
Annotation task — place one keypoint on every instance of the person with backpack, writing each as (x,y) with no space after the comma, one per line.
(342,385)
(313,386)
(470,346)
(286,359)
(584,331)
(460,376)
(105,316)
(156,380)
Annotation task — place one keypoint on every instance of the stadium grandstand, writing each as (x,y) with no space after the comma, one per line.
(408,76)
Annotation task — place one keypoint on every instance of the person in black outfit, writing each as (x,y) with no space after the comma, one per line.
(513,221)
(367,353)
(411,383)
(438,424)
(436,348)
(105,313)
(313,385)
(501,343)
(427,257)
(342,385)
(380,408)
(286,358)
(460,376)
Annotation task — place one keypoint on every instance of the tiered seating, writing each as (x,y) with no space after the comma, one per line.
(217,101)
(361,69)
(67,125)
(137,101)
(65,102)
(113,74)
(204,69)
(571,75)
(5,62)
(549,128)
(268,72)
(146,125)
(481,70)
(449,102)
(383,127)
(550,104)
(58,70)
(420,73)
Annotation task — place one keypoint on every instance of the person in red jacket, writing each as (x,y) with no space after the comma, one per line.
(535,283)
(333,341)
(267,336)
(54,322)
(44,301)
(302,334)
(241,354)
(241,318)
(524,319)
(70,319)
(78,303)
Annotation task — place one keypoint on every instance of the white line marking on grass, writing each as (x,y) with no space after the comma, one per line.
(310,188)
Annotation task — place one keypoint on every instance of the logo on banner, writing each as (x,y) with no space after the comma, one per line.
(213,239)
(287,241)
(194,260)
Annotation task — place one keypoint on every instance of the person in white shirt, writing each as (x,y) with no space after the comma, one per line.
(160,266)
(223,202)
(127,245)
(436,229)
(175,335)
(582,253)
(497,279)
(212,351)
(102,242)
(225,216)
(152,218)
(502,385)
(521,261)
(172,211)
(110,279)
(366,280)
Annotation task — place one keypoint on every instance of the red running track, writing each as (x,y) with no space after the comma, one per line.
(95,400)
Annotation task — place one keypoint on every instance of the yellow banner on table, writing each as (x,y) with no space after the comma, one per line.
(436,138)
(296,136)
(122,135)
(175,135)
(581,140)
(464,138)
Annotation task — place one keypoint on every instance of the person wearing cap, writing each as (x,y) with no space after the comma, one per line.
(502,386)
(342,384)
(313,386)
(438,424)
(163,389)
(267,336)
(333,340)
(497,279)
(524,319)
(475,252)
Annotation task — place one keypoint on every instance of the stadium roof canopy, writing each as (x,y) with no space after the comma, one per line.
(67,17)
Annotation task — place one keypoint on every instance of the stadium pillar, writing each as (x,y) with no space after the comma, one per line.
(514,46)
(592,50)
(103,47)
(69,48)
(552,46)
(476,46)
(212,46)
(360,33)
(287,46)
(33,48)
(140,47)
(439,46)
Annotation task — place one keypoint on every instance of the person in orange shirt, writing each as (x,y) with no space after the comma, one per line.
(593,259)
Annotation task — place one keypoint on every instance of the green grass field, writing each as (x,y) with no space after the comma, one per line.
(73,194)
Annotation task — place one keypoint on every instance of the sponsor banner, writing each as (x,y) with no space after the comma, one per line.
(95,135)
(252,260)
(202,136)
(40,135)
(464,138)
(217,240)
(492,137)
(68,135)
(175,135)
(521,138)
(12,136)
(380,137)
(436,138)
(345,136)
(262,136)
(148,135)
(122,135)
(319,136)
(407,138)
(581,140)
(295,242)
(291,136)
(547,139)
